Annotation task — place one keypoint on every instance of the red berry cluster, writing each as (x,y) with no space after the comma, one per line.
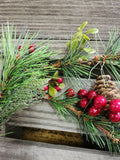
(53,81)
(98,101)
(114,108)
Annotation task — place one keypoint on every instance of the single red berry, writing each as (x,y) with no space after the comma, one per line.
(19,47)
(82,93)
(70,92)
(45,88)
(91,94)
(93,111)
(60,80)
(57,88)
(31,48)
(114,117)
(100,102)
(83,102)
(114,105)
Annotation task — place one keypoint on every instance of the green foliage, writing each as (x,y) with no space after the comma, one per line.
(75,66)
(52,91)
(80,36)
(97,130)
(23,73)
(110,60)
(51,87)
(55,76)
(59,103)
(94,127)
(22,97)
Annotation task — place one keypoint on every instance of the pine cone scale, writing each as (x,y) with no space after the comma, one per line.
(106,87)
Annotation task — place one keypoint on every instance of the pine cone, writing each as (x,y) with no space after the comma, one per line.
(106,87)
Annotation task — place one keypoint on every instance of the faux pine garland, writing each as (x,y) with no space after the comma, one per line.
(30,73)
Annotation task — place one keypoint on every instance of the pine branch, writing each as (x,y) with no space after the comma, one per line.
(98,129)
(24,73)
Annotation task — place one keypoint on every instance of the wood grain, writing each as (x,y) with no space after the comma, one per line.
(59,19)
(11,149)
(53,137)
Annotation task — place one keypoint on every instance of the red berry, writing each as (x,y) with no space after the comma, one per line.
(31,48)
(93,111)
(114,105)
(114,117)
(19,47)
(100,102)
(45,88)
(91,94)
(82,93)
(70,92)
(83,102)
(60,80)
(57,88)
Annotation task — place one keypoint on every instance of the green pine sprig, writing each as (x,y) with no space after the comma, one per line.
(109,61)
(23,73)
(98,130)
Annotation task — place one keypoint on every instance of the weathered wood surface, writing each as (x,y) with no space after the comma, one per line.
(57,19)
(11,149)
(53,137)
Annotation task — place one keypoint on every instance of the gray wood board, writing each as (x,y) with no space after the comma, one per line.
(12,149)
(59,19)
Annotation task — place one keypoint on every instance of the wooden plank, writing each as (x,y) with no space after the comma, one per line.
(12,149)
(53,137)
(59,19)
(42,116)
(2,130)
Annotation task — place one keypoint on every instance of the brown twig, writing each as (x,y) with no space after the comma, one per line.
(105,132)
(18,56)
(95,60)
(47,97)
(105,57)
(57,65)
(98,58)
(78,113)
